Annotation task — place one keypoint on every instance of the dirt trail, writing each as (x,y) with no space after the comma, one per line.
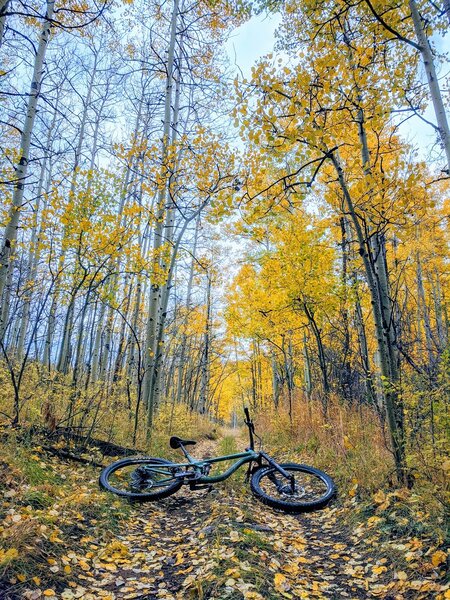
(219,545)
(225,544)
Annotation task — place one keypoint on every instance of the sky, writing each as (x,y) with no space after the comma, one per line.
(256,37)
(252,40)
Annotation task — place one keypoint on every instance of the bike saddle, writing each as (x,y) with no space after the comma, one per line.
(176,442)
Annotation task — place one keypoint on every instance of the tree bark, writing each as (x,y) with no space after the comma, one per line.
(433,82)
(204,384)
(21,169)
(371,254)
(150,348)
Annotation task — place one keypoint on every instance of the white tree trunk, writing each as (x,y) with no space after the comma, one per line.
(182,357)
(155,294)
(3,9)
(433,83)
(204,401)
(34,250)
(21,169)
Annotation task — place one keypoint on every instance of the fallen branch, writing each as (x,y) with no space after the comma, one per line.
(70,456)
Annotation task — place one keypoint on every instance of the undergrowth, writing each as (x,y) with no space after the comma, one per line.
(50,511)
(349,443)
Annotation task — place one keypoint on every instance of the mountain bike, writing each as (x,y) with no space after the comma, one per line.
(288,486)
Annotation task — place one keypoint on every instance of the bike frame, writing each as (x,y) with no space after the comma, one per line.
(241,458)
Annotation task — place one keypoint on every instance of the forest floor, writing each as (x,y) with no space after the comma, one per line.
(219,545)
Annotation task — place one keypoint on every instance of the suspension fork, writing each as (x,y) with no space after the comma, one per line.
(280,469)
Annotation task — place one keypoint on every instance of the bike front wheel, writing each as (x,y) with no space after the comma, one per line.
(141,479)
(309,490)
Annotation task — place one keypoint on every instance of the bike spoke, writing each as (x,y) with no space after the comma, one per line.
(142,479)
(307,488)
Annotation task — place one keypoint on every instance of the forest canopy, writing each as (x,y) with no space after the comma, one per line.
(180,237)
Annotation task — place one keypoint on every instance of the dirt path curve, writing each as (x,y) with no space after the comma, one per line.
(226,545)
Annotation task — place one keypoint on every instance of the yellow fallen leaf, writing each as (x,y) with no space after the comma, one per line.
(379,570)
(446,467)
(67,569)
(402,575)
(233,573)
(49,592)
(379,497)
(291,568)
(438,558)
(8,556)
(249,595)
(281,583)
(339,546)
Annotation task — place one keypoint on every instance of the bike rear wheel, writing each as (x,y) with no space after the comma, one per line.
(312,489)
(141,479)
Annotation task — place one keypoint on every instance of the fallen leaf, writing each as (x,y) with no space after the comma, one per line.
(281,583)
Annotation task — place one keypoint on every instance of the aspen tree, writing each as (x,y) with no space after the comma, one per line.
(21,168)
(155,296)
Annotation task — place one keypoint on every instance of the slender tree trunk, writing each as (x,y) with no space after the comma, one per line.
(5,308)
(3,9)
(184,337)
(380,305)
(65,348)
(321,354)
(433,82)
(34,250)
(204,384)
(156,369)
(275,381)
(80,337)
(121,346)
(363,349)
(425,316)
(437,300)
(21,169)
(96,352)
(307,367)
(155,295)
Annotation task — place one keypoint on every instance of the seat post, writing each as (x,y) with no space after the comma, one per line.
(186,453)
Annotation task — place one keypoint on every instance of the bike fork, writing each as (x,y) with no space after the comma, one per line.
(280,470)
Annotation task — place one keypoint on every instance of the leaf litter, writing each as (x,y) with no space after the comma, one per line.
(217,545)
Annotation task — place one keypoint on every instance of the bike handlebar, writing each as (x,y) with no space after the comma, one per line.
(247,414)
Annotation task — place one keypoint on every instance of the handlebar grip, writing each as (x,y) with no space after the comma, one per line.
(247,414)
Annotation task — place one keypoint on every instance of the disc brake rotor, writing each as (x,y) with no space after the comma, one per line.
(286,490)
